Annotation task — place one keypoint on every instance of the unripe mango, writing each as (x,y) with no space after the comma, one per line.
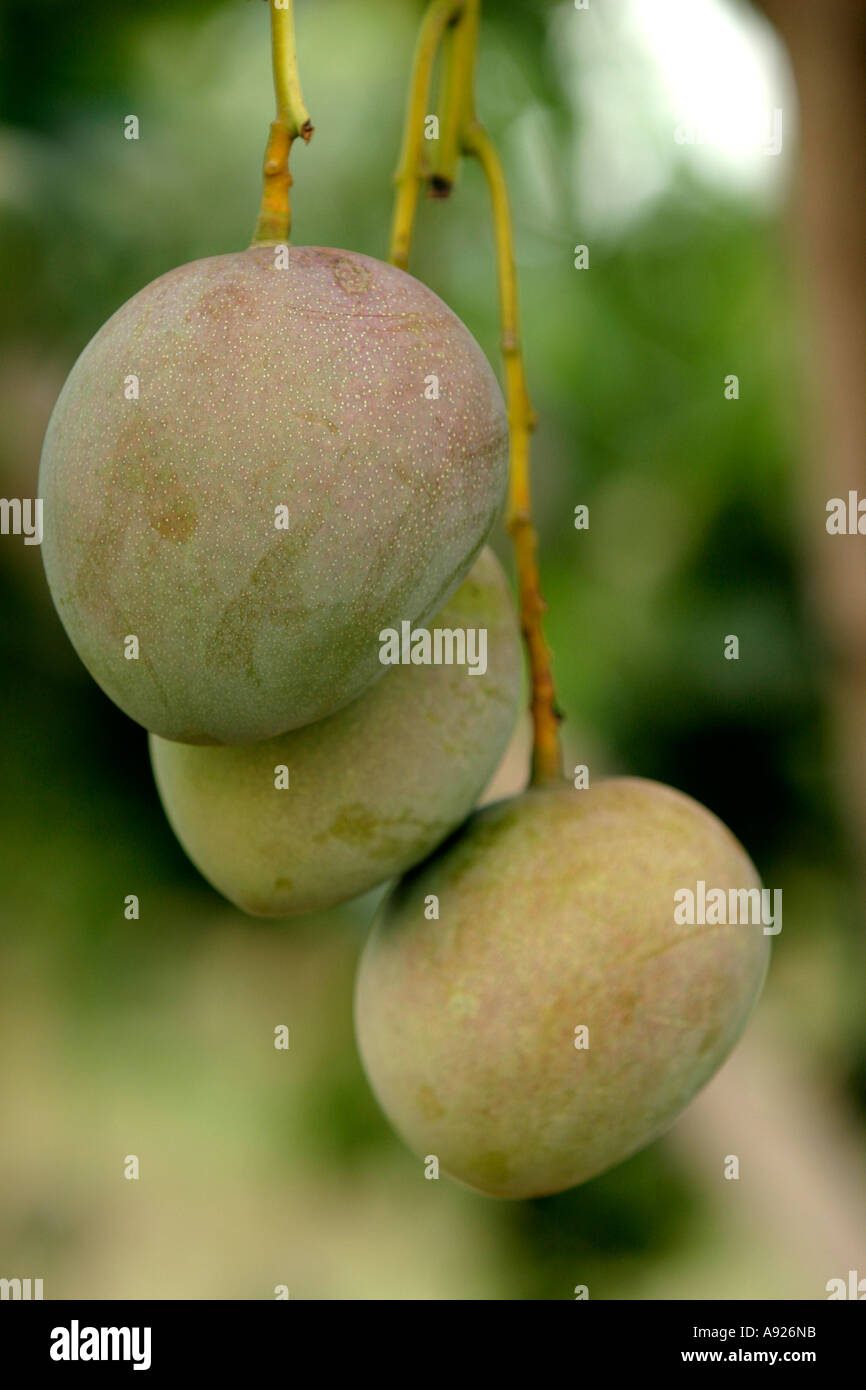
(253,469)
(555,913)
(326,812)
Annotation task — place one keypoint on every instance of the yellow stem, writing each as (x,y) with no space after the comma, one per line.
(287,84)
(440,186)
(412,172)
(456,98)
(547,757)
(460,133)
(293,120)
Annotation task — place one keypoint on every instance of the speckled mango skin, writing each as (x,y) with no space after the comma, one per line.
(259,388)
(556,909)
(371,790)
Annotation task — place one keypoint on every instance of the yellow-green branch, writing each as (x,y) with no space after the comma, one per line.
(412,172)
(460,133)
(546,758)
(456,98)
(292,120)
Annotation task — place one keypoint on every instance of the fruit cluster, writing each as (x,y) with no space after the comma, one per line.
(263,465)
(225,545)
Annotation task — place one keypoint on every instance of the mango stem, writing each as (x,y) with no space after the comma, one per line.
(546,754)
(461,133)
(274,224)
(412,171)
(457,95)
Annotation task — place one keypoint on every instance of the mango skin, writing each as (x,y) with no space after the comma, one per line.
(372,790)
(259,388)
(556,909)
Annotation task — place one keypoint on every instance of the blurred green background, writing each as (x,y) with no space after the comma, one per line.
(155,1037)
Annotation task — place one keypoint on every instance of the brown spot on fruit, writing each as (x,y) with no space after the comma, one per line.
(178,524)
(428,1105)
(352,277)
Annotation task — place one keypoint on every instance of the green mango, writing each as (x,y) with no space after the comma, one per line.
(371,790)
(251,470)
(556,913)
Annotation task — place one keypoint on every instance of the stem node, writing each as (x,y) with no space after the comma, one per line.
(292,120)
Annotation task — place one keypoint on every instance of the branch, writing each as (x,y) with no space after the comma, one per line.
(461,133)
(287,84)
(546,758)
(412,170)
(456,97)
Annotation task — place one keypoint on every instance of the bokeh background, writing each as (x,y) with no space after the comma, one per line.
(155,1037)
